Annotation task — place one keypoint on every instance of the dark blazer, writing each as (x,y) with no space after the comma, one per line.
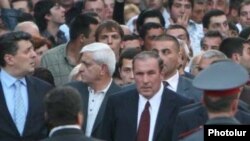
(195,115)
(70,134)
(186,88)
(245,94)
(35,127)
(120,119)
(83,89)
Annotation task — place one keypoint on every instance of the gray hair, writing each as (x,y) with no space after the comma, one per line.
(213,54)
(102,54)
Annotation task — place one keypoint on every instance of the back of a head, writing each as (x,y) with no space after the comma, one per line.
(232,45)
(29,27)
(81,25)
(62,106)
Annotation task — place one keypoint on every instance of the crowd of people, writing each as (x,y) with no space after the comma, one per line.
(122,70)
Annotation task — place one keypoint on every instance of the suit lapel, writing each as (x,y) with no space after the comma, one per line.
(83,89)
(32,103)
(181,87)
(165,110)
(112,89)
(4,112)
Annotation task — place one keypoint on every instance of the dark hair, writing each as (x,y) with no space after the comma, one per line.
(149,13)
(41,9)
(232,45)
(25,17)
(44,74)
(62,106)
(128,53)
(245,33)
(177,26)
(110,25)
(131,37)
(211,34)
(81,25)
(146,27)
(207,17)
(8,44)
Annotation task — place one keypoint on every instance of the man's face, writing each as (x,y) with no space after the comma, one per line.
(245,58)
(198,12)
(132,44)
(155,4)
(109,8)
(57,15)
(179,34)
(220,24)
(90,71)
(95,6)
(218,4)
(112,38)
(126,71)
(179,8)
(204,63)
(211,43)
(245,16)
(21,5)
(150,35)
(147,76)
(24,59)
(170,55)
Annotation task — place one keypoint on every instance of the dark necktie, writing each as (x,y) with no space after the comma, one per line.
(144,125)
(165,84)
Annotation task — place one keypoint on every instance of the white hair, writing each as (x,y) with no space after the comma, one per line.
(102,54)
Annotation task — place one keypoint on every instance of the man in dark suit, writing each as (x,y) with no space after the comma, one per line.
(220,97)
(168,48)
(63,112)
(21,108)
(124,115)
(97,67)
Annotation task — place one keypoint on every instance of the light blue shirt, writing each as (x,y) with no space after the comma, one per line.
(9,90)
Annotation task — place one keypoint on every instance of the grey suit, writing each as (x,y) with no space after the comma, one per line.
(83,89)
(185,88)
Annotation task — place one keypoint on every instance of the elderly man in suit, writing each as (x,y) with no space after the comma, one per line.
(168,48)
(63,112)
(97,67)
(21,107)
(146,112)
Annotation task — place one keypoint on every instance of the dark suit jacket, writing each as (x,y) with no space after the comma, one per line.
(120,119)
(245,94)
(83,89)
(35,127)
(70,134)
(186,89)
(194,115)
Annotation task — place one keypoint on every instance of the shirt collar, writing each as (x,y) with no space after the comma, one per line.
(9,80)
(104,91)
(63,127)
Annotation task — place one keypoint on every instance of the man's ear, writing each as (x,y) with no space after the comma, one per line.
(9,59)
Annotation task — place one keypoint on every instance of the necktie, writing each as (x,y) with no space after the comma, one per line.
(19,109)
(144,125)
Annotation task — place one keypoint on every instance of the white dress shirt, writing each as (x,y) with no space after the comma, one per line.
(95,102)
(173,81)
(155,102)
